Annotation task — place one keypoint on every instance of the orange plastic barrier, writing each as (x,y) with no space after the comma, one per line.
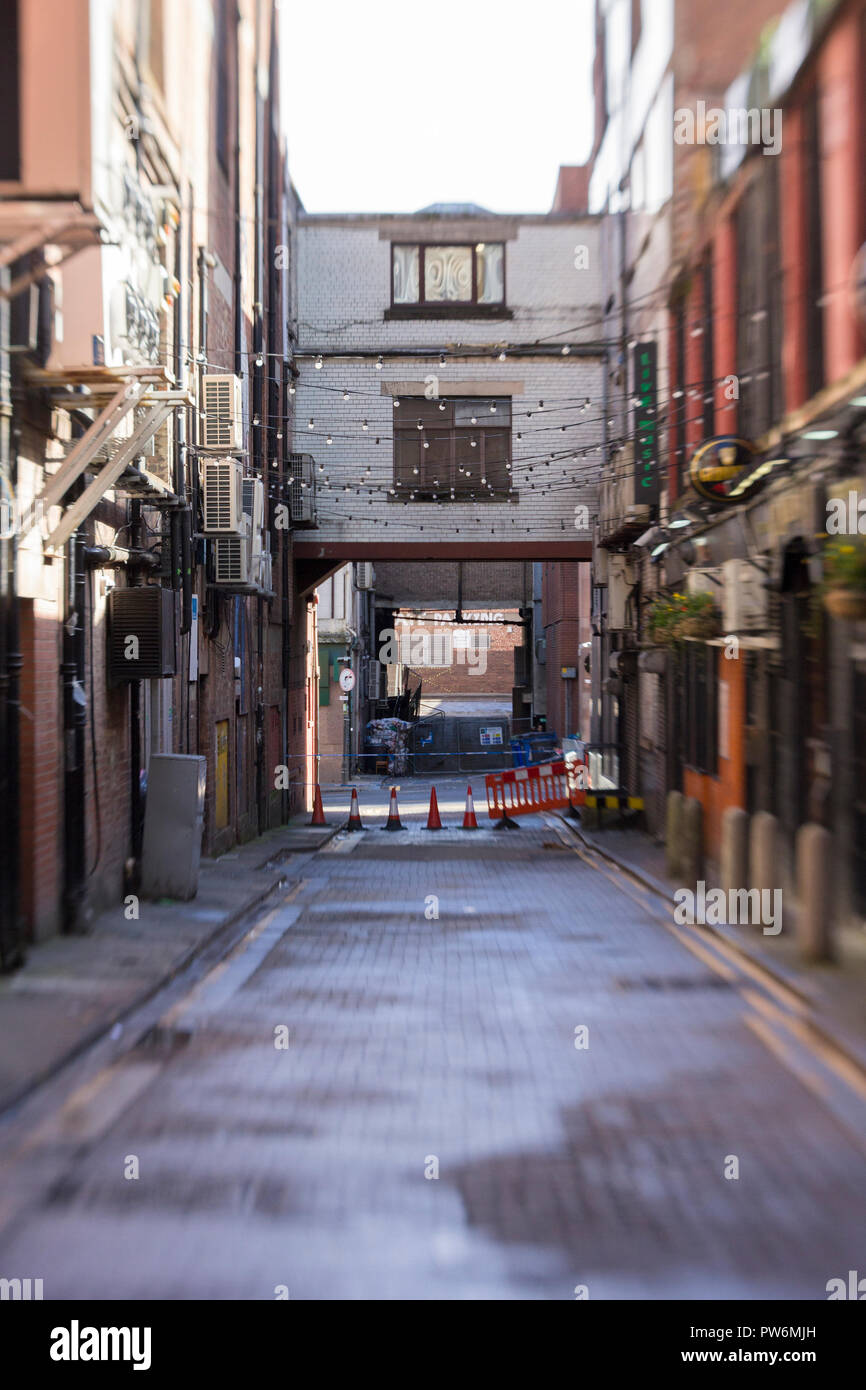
(525,790)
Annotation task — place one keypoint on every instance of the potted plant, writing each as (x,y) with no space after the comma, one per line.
(844,588)
(675,617)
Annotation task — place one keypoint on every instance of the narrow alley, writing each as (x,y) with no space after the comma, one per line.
(446,1065)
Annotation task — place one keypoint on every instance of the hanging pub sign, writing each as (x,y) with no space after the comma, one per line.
(646,470)
(719,469)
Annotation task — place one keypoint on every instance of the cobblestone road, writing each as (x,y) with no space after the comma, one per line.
(420,1043)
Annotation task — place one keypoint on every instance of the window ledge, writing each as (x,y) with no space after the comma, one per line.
(447,311)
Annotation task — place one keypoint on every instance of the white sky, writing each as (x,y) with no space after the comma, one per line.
(390,105)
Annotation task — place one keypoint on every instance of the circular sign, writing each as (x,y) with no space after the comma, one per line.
(719,466)
(347,679)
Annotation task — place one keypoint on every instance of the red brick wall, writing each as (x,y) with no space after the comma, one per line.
(459,678)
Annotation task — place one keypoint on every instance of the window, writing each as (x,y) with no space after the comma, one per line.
(814,238)
(9,95)
(456,448)
(709,389)
(699,696)
(222,85)
(759,303)
(679,400)
(449,274)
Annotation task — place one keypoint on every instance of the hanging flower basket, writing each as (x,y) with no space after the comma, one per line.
(844,590)
(674,618)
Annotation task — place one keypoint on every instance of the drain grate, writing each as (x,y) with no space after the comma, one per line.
(671,982)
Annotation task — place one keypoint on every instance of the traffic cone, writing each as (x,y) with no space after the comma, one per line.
(433,821)
(318,809)
(469,821)
(393,813)
(354,822)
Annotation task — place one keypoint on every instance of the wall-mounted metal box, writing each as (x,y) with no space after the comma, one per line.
(142,628)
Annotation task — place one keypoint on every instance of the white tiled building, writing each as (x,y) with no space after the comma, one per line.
(450,312)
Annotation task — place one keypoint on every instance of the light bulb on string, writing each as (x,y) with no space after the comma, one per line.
(319,362)
(345,395)
(260,361)
(364,425)
(379,363)
(311,425)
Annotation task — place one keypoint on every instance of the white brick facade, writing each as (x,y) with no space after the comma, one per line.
(344,293)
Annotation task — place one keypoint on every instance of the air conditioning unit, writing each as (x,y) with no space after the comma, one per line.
(302,493)
(364,576)
(142,627)
(233,564)
(253,491)
(266,573)
(746,600)
(223,424)
(222,497)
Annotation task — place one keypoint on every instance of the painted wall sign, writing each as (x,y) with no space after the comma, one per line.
(719,466)
(646,463)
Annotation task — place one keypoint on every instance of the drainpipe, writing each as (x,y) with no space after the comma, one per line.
(136,806)
(11,947)
(260,405)
(74,728)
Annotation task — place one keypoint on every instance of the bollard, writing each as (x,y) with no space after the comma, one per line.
(673,831)
(764,867)
(734,856)
(691,842)
(814,848)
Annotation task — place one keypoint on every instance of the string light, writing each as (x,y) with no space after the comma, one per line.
(318,363)
(379,363)
(364,425)
(260,361)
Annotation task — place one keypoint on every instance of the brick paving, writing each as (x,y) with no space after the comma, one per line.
(416,1040)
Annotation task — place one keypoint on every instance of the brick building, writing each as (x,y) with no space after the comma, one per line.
(138,260)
